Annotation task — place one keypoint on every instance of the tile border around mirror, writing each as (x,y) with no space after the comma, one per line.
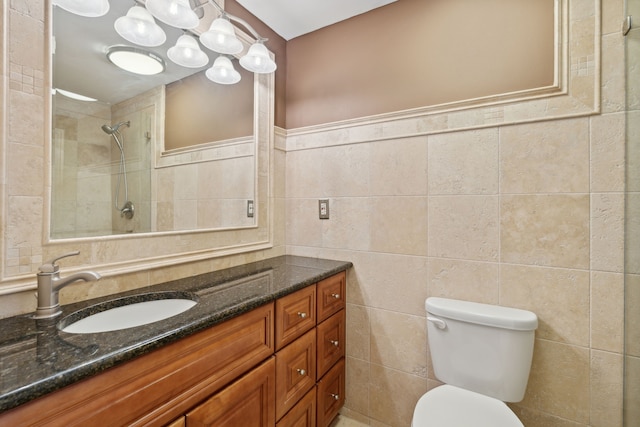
(25,127)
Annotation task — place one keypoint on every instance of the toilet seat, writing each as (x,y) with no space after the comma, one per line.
(450,406)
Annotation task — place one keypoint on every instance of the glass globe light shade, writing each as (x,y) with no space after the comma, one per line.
(223,72)
(177,13)
(139,27)
(187,53)
(221,37)
(88,8)
(257,59)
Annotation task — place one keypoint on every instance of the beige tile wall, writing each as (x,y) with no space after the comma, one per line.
(503,215)
(527,215)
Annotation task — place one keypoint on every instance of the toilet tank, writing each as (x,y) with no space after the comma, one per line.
(481,347)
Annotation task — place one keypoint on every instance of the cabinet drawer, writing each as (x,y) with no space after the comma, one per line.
(295,315)
(331,295)
(295,372)
(303,414)
(331,389)
(330,342)
(249,401)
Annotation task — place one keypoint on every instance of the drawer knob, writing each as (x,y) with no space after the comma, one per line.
(336,296)
(334,342)
(302,314)
(335,396)
(302,372)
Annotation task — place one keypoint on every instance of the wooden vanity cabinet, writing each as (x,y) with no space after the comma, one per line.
(326,343)
(281,364)
(331,295)
(295,372)
(303,414)
(295,314)
(330,391)
(159,387)
(249,401)
(331,343)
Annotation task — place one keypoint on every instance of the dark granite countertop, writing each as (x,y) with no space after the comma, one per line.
(36,358)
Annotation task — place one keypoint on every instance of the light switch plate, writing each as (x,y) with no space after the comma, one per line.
(323,208)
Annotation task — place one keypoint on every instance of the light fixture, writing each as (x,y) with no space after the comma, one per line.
(89,8)
(177,13)
(257,59)
(223,72)
(139,27)
(73,95)
(221,37)
(187,53)
(134,60)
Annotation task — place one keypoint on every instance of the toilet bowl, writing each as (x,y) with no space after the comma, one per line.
(482,353)
(450,406)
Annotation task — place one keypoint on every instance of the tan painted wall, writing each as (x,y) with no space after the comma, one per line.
(277,45)
(227,110)
(416,53)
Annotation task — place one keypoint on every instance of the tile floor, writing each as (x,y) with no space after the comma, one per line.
(342,421)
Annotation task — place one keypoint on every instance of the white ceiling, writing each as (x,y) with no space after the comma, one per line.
(293,18)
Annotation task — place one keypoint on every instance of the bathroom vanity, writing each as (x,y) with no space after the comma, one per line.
(263,346)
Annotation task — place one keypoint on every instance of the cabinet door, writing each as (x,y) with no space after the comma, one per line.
(248,402)
(295,315)
(303,414)
(331,342)
(331,295)
(331,389)
(295,372)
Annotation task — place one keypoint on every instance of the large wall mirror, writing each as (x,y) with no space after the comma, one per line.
(131,153)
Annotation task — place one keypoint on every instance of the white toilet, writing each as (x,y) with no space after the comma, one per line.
(483,355)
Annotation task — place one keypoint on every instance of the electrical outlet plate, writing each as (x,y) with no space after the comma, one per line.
(323,209)
(249,208)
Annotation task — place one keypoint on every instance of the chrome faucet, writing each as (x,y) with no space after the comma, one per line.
(50,283)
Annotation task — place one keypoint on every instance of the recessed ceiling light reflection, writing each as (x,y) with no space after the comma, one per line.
(135,60)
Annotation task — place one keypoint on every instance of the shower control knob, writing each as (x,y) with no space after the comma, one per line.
(128,210)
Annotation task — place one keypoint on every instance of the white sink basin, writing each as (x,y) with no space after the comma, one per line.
(130,315)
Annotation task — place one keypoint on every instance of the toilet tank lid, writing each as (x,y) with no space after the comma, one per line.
(483,314)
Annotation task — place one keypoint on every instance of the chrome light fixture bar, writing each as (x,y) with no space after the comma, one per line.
(139,27)
(257,59)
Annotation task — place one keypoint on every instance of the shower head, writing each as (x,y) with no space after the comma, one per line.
(110,130)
